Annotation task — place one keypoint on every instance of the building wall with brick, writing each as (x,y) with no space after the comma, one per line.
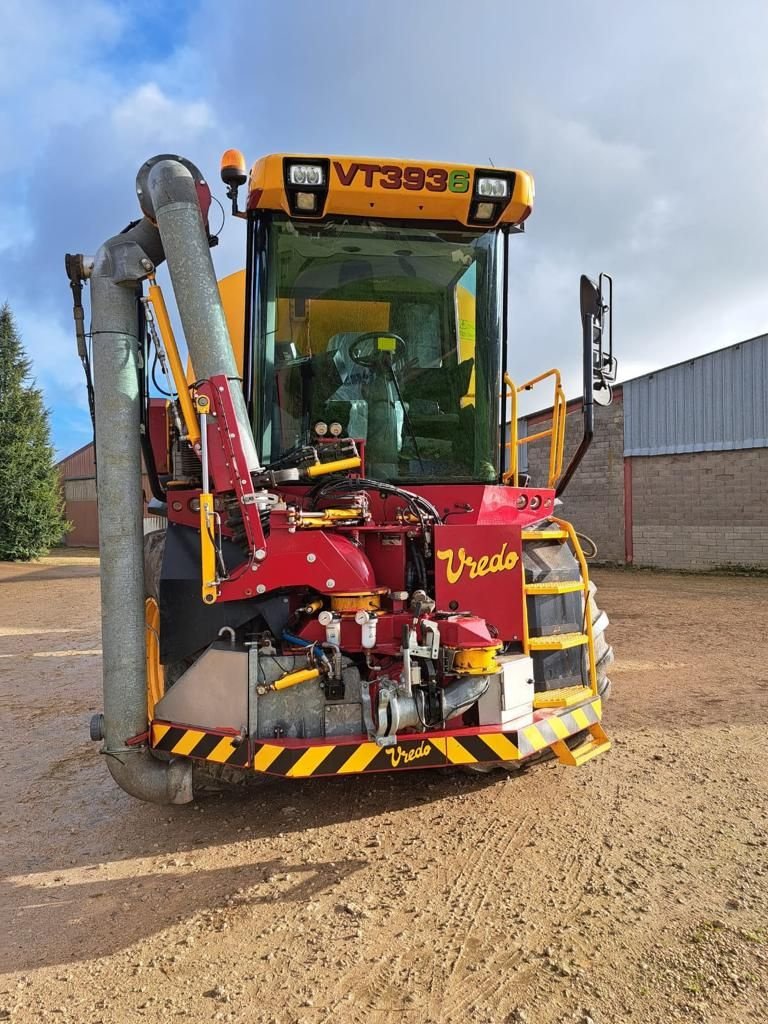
(697,511)
(700,510)
(594,499)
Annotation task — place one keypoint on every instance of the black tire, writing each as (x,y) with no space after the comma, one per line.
(603,651)
(154,549)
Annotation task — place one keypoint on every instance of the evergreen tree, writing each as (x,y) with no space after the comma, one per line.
(31,504)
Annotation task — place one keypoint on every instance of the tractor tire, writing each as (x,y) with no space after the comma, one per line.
(154,549)
(207,777)
(603,650)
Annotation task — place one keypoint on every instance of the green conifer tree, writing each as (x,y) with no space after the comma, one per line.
(31,504)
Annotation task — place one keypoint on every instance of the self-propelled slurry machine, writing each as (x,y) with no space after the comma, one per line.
(356,575)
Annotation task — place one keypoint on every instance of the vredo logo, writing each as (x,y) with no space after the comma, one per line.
(457,563)
(399,755)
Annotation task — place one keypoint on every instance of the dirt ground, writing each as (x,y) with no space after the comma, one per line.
(633,889)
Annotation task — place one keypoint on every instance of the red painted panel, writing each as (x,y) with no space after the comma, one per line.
(478,569)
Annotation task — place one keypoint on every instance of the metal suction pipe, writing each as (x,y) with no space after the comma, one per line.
(173,201)
(118,267)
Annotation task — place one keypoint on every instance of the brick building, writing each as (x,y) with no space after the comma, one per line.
(677,476)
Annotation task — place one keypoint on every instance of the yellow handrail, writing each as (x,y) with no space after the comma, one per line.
(512,444)
(556,432)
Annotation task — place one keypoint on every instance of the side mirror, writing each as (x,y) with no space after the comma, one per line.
(599,364)
(589,294)
(597,324)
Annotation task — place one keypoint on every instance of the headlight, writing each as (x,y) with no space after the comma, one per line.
(306,174)
(496,187)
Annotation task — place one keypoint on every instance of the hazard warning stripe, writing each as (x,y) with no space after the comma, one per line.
(199,743)
(301,762)
(542,734)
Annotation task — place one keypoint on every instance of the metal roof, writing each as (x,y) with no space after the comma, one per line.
(715,402)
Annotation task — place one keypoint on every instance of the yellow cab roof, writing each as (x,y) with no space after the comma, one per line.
(391,189)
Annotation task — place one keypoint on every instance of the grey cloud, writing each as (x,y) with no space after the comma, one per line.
(646,127)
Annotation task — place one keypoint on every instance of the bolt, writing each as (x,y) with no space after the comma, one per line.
(260,589)
(330,584)
(260,554)
(147,264)
(311,558)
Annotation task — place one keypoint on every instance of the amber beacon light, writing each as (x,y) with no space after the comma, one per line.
(233,174)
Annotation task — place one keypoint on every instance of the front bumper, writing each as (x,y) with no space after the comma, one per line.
(301,759)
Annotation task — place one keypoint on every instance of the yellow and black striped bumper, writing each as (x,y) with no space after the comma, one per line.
(296,760)
(198,743)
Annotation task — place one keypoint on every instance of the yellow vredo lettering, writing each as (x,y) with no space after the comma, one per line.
(457,562)
(398,755)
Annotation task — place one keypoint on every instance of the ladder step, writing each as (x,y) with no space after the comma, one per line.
(596,744)
(566,587)
(565,697)
(545,534)
(557,642)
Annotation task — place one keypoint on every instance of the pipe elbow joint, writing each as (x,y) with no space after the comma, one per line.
(147,778)
(167,179)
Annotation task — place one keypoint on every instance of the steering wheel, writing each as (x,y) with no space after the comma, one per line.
(367,351)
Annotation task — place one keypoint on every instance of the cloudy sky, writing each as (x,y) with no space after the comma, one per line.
(645,125)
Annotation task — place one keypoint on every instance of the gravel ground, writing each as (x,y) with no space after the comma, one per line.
(634,889)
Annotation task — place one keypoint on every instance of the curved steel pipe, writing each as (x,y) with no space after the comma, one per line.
(120,264)
(175,206)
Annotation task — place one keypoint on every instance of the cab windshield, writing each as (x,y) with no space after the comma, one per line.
(389,332)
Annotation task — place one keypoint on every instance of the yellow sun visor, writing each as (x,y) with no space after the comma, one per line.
(313,187)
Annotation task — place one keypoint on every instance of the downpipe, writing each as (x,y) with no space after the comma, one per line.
(118,268)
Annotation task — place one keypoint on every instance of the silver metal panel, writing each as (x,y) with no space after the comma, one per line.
(716,402)
(212,694)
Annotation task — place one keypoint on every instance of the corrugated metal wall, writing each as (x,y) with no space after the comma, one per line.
(716,402)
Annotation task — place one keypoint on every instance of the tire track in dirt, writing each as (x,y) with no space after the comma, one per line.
(466,900)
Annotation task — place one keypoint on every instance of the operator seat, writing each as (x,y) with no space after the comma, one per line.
(354,379)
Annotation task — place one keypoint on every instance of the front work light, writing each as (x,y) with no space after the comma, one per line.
(306,174)
(495,187)
(485,211)
(306,201)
